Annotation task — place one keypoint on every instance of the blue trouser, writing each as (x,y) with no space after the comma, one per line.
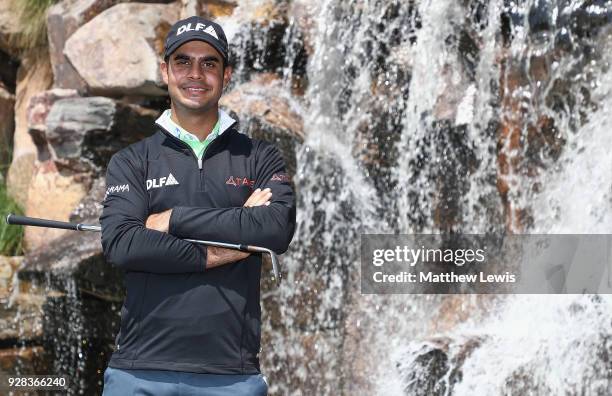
(120,382)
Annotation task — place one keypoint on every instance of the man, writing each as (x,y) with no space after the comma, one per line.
(190,323)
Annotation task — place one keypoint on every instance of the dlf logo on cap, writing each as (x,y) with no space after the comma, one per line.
(200,26)
(196,28)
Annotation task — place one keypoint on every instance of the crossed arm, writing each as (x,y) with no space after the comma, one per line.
(216,256)
(134,240)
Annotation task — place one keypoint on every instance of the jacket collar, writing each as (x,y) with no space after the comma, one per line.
(225,122)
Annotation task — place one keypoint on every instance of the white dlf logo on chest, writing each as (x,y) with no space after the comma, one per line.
(161,182)
(199,26)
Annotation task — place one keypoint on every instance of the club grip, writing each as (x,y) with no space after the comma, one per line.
(34,222)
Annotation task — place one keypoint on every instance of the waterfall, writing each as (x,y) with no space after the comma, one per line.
(426,116)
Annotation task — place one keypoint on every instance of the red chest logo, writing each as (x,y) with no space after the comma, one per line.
(239,181)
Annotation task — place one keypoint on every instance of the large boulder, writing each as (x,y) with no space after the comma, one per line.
(37,112)
(83,133)
(81,298)
(20,304)
(267,112)
(209,9)
(89,210)
(52,195)
(118,51)
(63,19)
(9,27)
(33,77)
(433,366)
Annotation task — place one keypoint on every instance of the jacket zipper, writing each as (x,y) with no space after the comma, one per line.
(199,161)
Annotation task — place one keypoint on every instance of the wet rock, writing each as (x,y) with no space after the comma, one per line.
(211,9)
(123,61)
(257,46)
(382,116)
(457,160)
(595,377)
(455,309)
(63,19)
(22,319)
(426,371)
(312,303)
(79,286)
(76,257)
(302,364)
(302,14)
(432,367)
(533,83)
(7,125)
(8,267)
(523,382)
(359,346)
(23,360)
(257,49)
(83,133)
(52,195)
(267,112)
(37,112)
(88,211)
(34,76)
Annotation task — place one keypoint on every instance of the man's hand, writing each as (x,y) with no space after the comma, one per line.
(259,197)
(159,221)
(215,256)
(219,256)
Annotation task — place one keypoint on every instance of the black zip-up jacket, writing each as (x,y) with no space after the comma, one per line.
(177,315)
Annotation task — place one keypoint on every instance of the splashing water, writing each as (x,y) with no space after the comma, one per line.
(429,116)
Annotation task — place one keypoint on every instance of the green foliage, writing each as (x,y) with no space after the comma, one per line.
(10,236)
(32,16)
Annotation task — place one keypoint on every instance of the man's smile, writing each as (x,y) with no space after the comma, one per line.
(195,89)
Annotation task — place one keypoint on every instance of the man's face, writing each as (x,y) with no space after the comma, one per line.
(195,76)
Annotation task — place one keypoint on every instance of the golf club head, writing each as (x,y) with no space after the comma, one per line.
(277,274)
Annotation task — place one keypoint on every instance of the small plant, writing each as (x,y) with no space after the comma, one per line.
(10,236)
(32,16)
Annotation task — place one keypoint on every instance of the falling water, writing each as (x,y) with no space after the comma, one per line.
(436,116)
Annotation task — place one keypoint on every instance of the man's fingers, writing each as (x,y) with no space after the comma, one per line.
(262,197)
(251,198)
(159,221)
(259,197)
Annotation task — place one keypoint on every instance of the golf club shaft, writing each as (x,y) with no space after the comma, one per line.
(35,222)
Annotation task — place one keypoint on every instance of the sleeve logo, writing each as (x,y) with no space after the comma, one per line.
(280,177)
(239,181)
(117,189)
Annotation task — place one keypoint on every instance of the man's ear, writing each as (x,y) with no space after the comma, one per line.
(163,67)
(227,76)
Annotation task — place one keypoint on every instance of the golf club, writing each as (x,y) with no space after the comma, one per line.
(35,222)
